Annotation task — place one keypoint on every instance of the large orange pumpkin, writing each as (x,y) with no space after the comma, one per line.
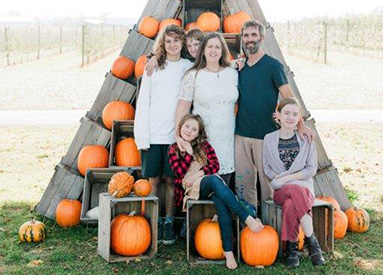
(340,224)
(233,23)
(127,153)
(130,235)
(92,156)
(140,66)
(117,110)
(259,248)
(121,184)
(191,25)
(331,200)
(123,67)
(142,188)
(32,231)
(68,213)
(207,239)
(167,22)
(148,26)
(208,22)
(358,220)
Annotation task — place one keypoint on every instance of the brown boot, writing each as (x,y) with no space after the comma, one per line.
(315,252)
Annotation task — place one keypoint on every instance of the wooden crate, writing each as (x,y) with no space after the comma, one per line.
(89,133)
(322,220)
(136,45)
(160,9)
(193,8)
(120,129)
(198,210)
(63,184)
(112,89)
(233,41)
(96,182)
(111,207)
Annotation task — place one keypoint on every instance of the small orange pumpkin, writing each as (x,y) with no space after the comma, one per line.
(127,153)
(140,66)
(117,110)
(340,224)
(92,156)
(123,67)
(358,220)
(259,248)
(167,22)
(207,239)
(130,235)
(121,184)
(208,22)
(68,213)
(142,188)
(331,200)
(32,231)
(233,23)
(148,26)
(191,25)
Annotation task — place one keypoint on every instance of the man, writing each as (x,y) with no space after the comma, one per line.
(261,81)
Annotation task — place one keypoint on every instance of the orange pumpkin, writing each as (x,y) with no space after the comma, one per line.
(142,188)
(233,23)
(301,240)
(168,22)
(129,235)
(68,213)
(117,110)
(32,231)
(92,156)
(121,184)
(123,67)
(340,224)
(207,239)
(259,248)
(148,26)
(208,22)
(191,25)
(127,153)
(140,66)
(331,200)
(358,220)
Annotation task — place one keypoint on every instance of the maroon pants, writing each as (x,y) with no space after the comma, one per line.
(296,201)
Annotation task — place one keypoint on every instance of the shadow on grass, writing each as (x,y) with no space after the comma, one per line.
(74,250)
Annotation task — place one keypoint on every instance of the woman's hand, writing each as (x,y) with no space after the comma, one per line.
(240,63)
(151,66)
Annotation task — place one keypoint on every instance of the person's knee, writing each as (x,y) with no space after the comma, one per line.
(288,204)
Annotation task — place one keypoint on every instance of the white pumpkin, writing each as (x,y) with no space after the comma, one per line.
(93,213)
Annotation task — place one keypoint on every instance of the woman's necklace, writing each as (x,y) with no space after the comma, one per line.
(214,71)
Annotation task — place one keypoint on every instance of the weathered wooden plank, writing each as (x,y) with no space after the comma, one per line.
(89,133)
(160,9)
(321,183)
(337,188)
(120,129)
(297,95)
(136,45)
(323,160)
(112,89)
(256,11)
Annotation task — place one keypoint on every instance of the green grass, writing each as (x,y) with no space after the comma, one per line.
(74,251)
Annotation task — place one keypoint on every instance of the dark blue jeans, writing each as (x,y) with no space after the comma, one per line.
(225,202)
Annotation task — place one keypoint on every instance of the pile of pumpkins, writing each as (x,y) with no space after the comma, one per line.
(123,67)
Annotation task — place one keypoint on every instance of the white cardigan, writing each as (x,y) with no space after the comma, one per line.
(156,105)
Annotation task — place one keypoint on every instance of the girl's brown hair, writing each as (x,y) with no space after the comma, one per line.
(198,142)
(200,61)
(159,45)
(287,101)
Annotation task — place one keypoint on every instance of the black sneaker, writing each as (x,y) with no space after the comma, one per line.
(160,232)
(169,236)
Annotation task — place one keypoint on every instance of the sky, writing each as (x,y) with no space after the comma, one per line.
(274,10)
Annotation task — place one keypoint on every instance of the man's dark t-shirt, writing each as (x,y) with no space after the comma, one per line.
(258,97)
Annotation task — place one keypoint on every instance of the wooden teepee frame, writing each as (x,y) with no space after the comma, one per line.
(67,182)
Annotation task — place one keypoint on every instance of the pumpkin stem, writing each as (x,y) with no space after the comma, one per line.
(215,218)
(33,221)
(132,213)
(114,194)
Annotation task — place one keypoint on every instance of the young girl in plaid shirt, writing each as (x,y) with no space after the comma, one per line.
(195,165)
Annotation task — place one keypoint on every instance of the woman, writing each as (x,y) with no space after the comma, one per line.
(194,166)
(154,120)
(210,86)
(291,163)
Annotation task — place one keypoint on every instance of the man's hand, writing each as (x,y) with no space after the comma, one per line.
(306,133)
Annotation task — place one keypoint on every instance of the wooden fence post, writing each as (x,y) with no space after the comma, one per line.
(61,40)
(347,29)
(6,44)
(38,41)
(325,41)
(83,46)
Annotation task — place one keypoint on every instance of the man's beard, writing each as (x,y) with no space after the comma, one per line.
(254,49)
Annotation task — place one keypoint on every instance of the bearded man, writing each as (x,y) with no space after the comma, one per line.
(261,80)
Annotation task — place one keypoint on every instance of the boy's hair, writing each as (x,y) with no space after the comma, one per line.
(196,34)
(199,141)
(159,44)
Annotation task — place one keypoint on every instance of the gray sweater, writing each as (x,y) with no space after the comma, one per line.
(305,162)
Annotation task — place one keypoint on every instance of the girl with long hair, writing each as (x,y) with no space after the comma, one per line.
(195,165)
